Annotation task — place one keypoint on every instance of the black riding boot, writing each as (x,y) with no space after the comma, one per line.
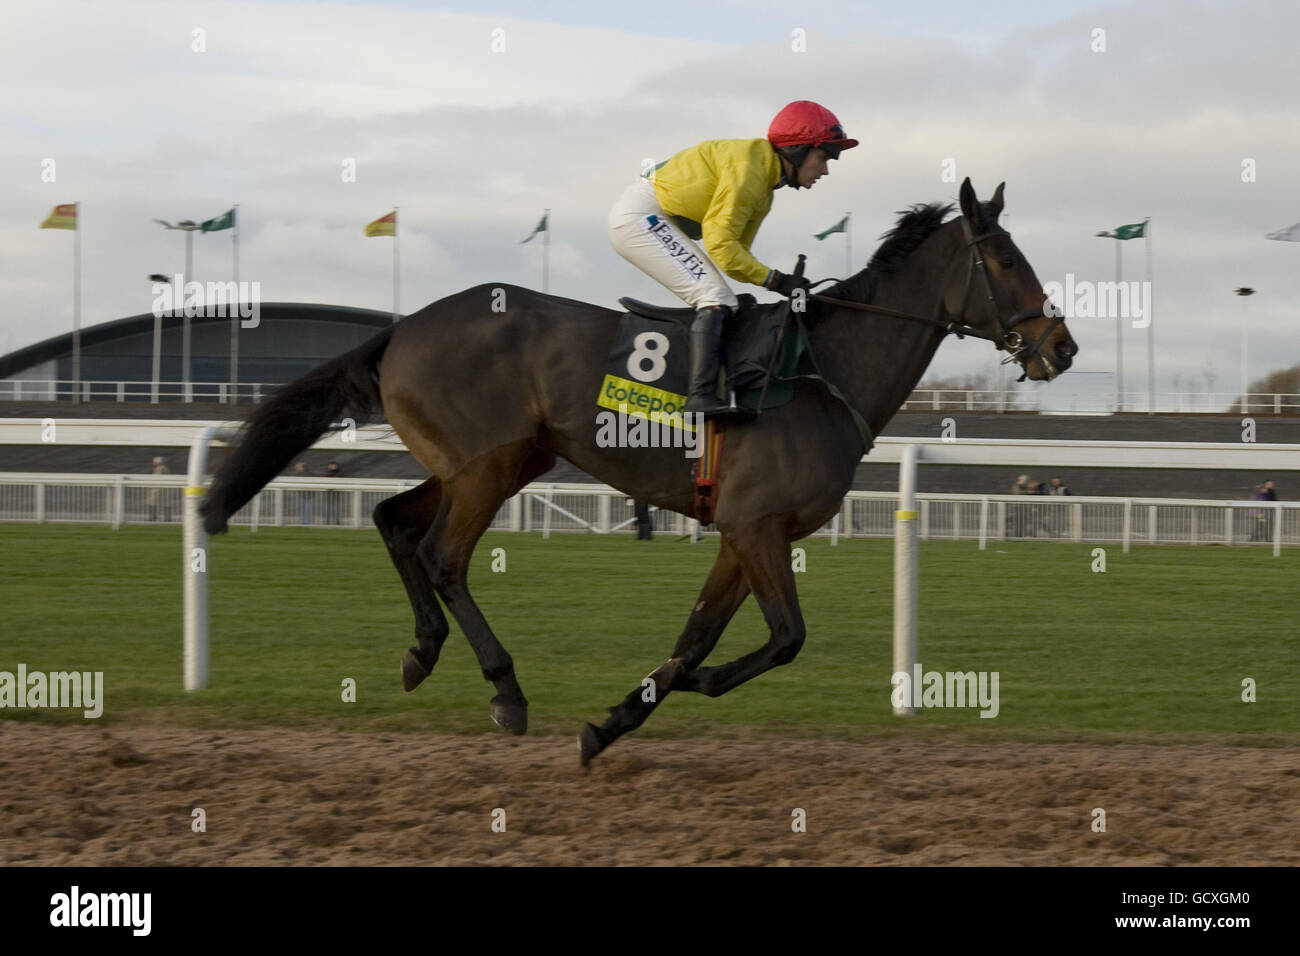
(706,354)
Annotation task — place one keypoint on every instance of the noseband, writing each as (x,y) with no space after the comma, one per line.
(1011,341)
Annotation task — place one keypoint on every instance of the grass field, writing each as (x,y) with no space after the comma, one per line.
(1157,645)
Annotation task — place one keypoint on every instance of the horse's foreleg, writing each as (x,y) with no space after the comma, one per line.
(403,522)
(764,553)
(723,592)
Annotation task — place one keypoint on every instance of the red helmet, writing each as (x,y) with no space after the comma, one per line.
(805,123)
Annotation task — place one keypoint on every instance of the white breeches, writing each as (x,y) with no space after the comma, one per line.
(645,237)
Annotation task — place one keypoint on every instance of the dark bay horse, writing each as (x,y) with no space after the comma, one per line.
(487,387)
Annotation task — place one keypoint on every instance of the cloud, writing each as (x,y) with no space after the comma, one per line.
(473,145)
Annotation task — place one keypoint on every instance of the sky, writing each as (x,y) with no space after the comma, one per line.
(177,110)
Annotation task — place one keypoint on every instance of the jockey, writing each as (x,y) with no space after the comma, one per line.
(719,191)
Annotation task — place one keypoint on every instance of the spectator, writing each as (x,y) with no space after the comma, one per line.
(644,530)
(158,496)
(1262,518)
(333,499)
(1034,519)
(1016,514)
(1058,517)
(306,499)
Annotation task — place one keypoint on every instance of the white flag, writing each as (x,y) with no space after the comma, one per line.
(1289,234)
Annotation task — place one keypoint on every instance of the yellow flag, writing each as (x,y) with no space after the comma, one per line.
(383,226)
(63,217)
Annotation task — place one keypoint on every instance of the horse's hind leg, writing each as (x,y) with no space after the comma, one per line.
(403,522)
(764,551)
(471,500)
(723,592)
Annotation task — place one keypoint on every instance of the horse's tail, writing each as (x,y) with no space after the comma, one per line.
(291,422)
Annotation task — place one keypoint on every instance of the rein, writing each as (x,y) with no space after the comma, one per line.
(1006,340)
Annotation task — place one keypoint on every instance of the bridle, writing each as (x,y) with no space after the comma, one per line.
(1008,340)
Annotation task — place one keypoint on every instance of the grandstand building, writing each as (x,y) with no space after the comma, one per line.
(117,357)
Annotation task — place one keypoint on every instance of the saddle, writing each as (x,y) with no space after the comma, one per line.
(647,373)
(748,343)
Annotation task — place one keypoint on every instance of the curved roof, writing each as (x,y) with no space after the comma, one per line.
(52,348)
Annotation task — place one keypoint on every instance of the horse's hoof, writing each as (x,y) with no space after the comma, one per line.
(589,744)
(414,670)
(509,714)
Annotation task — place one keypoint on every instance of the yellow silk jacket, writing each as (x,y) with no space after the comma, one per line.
(720,191)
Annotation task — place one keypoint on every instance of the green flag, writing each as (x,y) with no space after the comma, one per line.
(1135,231)
(841,226)
(541,227)
(225,221)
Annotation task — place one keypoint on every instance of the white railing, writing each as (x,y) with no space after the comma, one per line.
(46,390)
(1058,399)
(117,500)
(1009,452)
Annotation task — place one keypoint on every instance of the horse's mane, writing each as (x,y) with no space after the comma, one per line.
(914,226)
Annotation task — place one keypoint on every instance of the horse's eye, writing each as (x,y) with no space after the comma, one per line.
(1007,262)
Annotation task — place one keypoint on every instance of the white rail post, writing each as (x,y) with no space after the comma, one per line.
(984,521)
(1277,529)
(905,572)
(194,547)
(119,501)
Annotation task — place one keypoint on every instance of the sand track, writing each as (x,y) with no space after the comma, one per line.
(122,795)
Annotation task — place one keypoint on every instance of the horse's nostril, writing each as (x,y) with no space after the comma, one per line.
(1066,349)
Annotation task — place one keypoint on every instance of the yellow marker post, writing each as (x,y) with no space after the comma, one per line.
(906,586)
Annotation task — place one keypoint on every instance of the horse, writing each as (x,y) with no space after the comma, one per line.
(487,387)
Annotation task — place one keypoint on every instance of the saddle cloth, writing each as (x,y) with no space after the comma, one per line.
(648,368)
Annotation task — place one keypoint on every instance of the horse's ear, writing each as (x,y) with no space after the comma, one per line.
(970,207)
(996,202)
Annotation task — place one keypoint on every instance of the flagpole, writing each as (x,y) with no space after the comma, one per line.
(546,253)
(185,315)
(1119,330)
(157,355)
(76,303)
(1245,383)
(397,272)
(1151,326)
(234,317)
(848,248)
